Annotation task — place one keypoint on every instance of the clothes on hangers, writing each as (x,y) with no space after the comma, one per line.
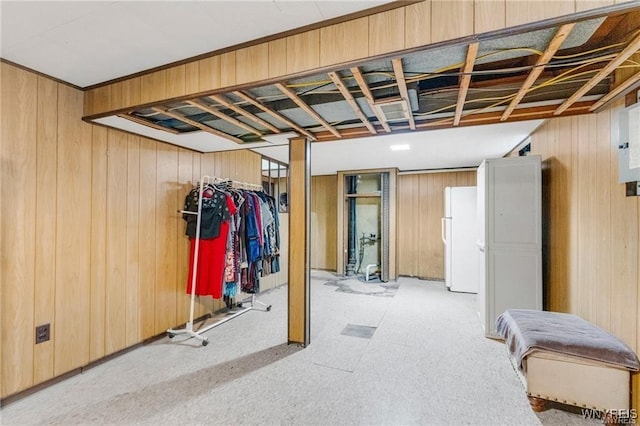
(239,240)
(211,251)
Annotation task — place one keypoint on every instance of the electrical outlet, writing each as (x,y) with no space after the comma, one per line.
(43,333)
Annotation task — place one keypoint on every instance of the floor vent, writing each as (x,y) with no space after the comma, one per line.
(362,331)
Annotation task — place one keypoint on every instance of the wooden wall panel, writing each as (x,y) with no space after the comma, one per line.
(192,77)
(97,100)
(116,96)
(407,220)
(344,42)
(489,15)
(185,183)
(176,81)
(451,19)
(116,251)
(228,69)
(324,232)
(98,242)
(303,51)
(45,227)
(417,18)
(278,57)
(73,248)
(591,239)
(603,218)
(147,235)
(209,73)
(252,63)
(420,208)
(132,92)
(522,12)
(19,142)
(386,32)
(96,249)
(166,230)
(132,294)
(153,87)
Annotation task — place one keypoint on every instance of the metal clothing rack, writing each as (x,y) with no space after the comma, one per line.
(188,330)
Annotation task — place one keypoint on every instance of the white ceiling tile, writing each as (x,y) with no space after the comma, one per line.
(42,17)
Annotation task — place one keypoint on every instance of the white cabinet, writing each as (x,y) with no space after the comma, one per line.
(509,237)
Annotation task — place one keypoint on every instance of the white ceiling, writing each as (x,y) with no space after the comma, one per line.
(89,42)
(436,149)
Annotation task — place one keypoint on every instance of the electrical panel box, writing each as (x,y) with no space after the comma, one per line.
(628,143)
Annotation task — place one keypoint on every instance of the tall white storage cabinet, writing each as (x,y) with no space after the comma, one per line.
(510,237)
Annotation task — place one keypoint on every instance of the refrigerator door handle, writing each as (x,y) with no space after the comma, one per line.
(443,229)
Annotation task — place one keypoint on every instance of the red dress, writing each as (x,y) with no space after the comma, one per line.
(211,260)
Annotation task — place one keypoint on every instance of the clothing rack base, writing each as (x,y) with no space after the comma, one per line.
(255,304)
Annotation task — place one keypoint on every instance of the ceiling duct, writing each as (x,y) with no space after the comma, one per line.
(395,108)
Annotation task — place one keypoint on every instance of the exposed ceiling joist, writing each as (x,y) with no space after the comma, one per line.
(631,48)
(402,85)
(275,114)
(472,52)
(148,123)
(295,98)
(362,83)
(199,125)
(620,90)
(211,110)
(352,102)
(538,68)
(227,103)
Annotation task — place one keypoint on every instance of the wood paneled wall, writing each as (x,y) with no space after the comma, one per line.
(324,234)
(394,30)
(590,229)
(91,239)
(420,208)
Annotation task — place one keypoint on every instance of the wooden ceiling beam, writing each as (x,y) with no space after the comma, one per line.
(402,85)
(472,52)
(362,83)
(631,48)
(148,123)
(538,68)
(621,90)
(228,104)
(213,111)
(200,126)
(303,105)
(352,102)
(247,98)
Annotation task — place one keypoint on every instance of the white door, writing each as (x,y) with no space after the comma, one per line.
(463,238)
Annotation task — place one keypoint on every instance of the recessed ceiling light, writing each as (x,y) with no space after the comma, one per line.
(404,147)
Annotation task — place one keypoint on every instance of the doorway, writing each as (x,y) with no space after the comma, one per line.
(366,212)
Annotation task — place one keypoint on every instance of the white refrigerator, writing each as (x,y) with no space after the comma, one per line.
(509,238)
(459,235)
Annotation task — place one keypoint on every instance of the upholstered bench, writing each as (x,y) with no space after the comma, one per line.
(563,358)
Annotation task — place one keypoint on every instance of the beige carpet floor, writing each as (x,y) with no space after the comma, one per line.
(411,353)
